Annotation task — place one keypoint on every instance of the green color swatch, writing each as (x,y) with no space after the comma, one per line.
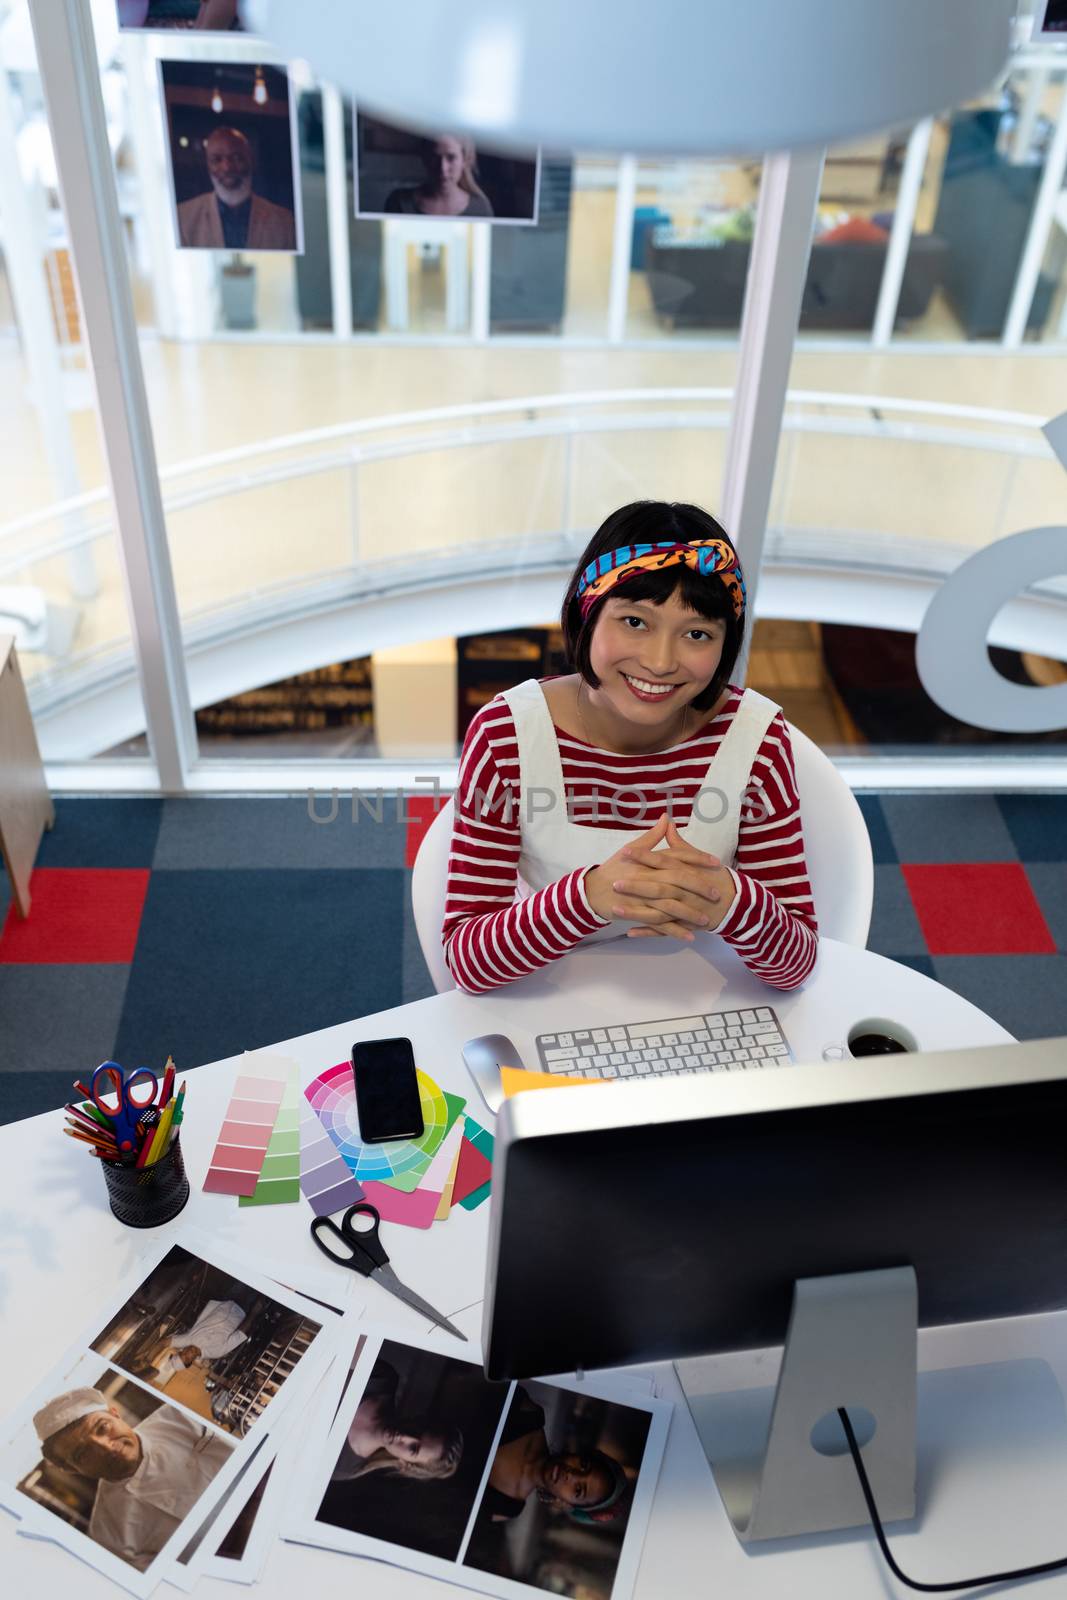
(279,1180)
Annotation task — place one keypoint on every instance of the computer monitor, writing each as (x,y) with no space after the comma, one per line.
(656,1221)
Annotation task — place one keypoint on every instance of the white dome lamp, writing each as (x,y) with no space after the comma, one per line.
(658,76)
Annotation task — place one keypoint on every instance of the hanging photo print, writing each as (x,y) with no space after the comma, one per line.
(233,157)
(400,172)
(210,16)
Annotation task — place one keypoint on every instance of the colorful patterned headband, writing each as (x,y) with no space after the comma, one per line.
(709,557)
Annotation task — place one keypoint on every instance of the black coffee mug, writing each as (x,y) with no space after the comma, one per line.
(873,1036)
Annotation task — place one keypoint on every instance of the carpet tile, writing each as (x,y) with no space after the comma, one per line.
(1026,994)
(273,833)
(882,845)
(1037,824)
(971,829)
(231,961)
(84,915)
(985,908)
(895,927)
(57,1019)
(1048,879)
(85,834)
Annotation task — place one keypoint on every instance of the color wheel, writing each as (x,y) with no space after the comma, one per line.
(333,1097)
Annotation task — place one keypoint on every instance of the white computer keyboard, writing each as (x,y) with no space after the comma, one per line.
(720,1041)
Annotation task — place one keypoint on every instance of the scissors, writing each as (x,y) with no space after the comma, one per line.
(364,1253)
(127,1110)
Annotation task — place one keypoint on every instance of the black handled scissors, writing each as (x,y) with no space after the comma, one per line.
(361,1250)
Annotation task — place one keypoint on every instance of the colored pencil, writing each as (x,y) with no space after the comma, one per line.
(83,1089)
(159,1138)
(85,1138)
(179,1106)
(93,1136)
(91,1109)
(168,1083)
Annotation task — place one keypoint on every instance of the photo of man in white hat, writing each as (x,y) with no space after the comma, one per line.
(149,1476)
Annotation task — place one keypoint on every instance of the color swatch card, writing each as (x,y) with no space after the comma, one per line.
(325,1180)
(418,1208)
(333,1097)
(279,1179)
(471,1185)
(248,1125)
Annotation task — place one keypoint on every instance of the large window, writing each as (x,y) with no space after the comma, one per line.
(396,439)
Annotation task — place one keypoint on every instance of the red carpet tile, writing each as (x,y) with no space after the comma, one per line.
(420,810)
(986,909)
(88,916)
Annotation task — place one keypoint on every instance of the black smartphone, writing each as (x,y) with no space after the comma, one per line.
(387,1091)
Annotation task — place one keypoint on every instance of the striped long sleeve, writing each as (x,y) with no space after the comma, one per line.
(490,937)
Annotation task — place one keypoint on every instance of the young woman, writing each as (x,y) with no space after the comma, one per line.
(380,1440)
(643,794)
(450,188)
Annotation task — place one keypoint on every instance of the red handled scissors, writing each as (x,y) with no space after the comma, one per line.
(123,1100)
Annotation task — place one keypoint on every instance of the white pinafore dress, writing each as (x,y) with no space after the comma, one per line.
(553,845)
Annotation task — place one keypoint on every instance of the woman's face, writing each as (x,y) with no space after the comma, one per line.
(652,660)
(444,162)
(414,1449)
(575,1481)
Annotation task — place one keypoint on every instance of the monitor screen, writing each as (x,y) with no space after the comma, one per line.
(652,1221)
(1051,18)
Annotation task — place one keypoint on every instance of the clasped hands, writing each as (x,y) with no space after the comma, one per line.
(673,893)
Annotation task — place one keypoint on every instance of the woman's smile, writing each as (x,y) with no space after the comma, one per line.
(645,690)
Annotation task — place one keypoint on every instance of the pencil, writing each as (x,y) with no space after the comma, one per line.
(159,1138)
(99,1145)
(101,1139)
(168,1082)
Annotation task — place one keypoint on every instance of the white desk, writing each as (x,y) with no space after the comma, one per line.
(63,1252)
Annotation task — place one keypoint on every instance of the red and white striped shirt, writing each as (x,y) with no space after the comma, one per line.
(490,937)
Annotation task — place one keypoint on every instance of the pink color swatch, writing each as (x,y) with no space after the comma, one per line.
(416,1210)
(246,1130)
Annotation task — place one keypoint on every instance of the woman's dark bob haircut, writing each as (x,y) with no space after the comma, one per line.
(646,522)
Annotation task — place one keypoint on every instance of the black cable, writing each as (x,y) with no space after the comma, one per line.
(928,1588)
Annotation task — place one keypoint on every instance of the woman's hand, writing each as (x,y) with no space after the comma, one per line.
(681,872)
(672,892)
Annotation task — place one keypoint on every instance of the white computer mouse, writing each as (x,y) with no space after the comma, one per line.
(485,1056)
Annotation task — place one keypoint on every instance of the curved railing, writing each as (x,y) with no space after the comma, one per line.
(299,523)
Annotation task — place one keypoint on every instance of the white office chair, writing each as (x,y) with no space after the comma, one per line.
(836,845)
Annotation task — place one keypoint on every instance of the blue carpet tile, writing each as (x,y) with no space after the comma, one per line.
(231,924)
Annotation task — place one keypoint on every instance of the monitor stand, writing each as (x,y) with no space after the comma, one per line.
(779,1456)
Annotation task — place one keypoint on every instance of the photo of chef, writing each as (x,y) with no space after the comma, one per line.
(233,156)
(208,16)
(406,173)
(115,1463)
(555,1509)
(211,1343)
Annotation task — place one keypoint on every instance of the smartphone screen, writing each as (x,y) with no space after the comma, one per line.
(387,1090)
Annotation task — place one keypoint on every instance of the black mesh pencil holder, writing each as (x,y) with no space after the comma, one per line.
(155,1194)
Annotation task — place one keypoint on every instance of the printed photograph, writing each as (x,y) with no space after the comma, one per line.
(207,1341)
(415,1450)
(556,1506)
(116,1463)
(401,172)
(212,16)
(232,149)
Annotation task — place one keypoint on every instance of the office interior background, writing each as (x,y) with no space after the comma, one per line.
(351,441)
